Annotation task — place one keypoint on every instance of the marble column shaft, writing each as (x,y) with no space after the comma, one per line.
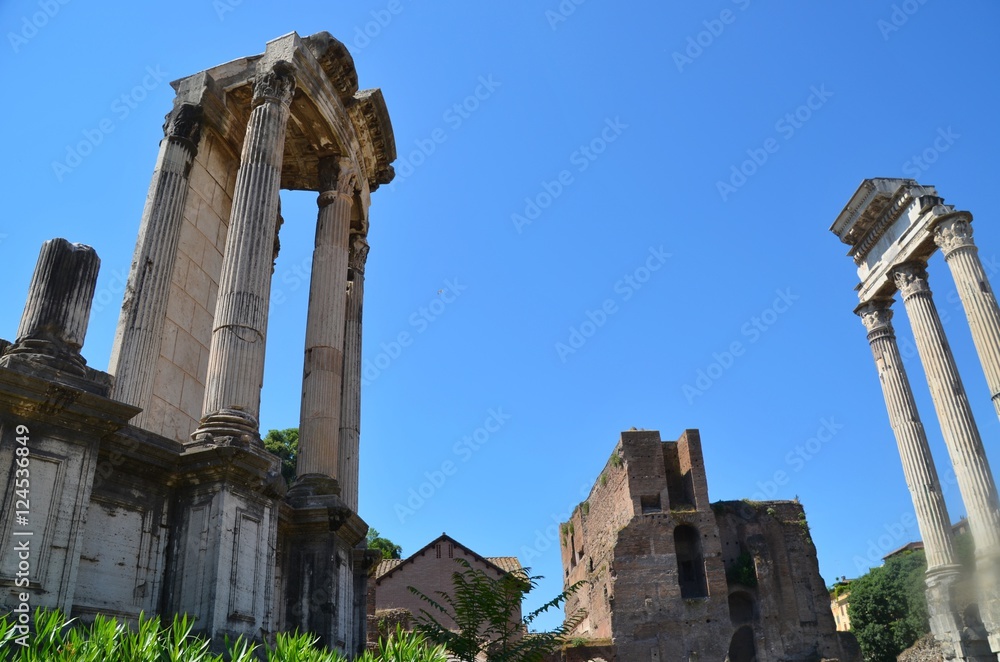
(350,408)
(140,325)
(236,359)
(965,446)
(914,451)
(323,368)
(954,237)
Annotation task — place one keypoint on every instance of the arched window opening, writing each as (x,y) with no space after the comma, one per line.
(742,647)
(741,608)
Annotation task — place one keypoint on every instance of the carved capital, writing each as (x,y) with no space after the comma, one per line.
(358,255)
(276,85)
(953,234)
(337,178)
(183,126)
(911,279)
(876,315)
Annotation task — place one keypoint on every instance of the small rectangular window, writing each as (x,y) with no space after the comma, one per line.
(437,549)
(650,503)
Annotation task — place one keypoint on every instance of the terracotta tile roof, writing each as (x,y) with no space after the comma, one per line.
(384,566)
(506,563)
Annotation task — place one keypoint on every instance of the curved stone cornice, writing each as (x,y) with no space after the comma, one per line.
(911,279)
(954,233)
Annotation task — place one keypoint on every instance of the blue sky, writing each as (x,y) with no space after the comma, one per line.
(564,169)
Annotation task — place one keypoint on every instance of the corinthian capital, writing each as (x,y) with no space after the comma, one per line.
(276,84)
(911,278)
(359,252)
(876,315)
(183,125)
(337,178)
(953,233)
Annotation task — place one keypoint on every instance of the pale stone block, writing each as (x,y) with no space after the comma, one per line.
(180,309)
(191,242)
(168,381)
(169,337)
(154,418)
(197,286)
(187,354)
(206,220)
(201,180)
(192,396)
(179,274)
(201,327)
(211,263)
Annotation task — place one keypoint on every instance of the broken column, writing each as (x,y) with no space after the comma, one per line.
(54,322)
(236,360)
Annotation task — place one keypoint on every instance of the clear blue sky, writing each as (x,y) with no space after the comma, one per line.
(619,126)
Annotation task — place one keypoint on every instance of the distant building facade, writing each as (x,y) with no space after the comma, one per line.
(673,578)
(429,570)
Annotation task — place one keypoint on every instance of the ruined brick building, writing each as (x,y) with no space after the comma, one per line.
(673,578)
(149,486)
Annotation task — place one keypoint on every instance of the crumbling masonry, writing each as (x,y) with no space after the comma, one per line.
(672,577)
(150,488)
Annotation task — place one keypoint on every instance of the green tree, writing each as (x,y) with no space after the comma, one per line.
(486,611)
(389,549)
(284,444)
(888,607)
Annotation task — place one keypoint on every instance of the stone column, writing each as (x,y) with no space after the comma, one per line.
(140,324)
(918,468)
(350,407)
(57,311)
(236,359)
(965,446)
(954,236)
(320,415)
(914,451)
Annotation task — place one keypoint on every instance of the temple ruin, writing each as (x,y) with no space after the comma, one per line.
(670,576)
(150,488)
(893,227)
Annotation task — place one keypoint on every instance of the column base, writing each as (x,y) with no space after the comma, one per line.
(307,486)
(988,593)
(227,427)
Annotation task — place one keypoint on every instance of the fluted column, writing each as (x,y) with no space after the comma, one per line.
(140,324)
(954,236)
(323,369)
(914,451)
(965,446)
(236,357)
(350,407)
